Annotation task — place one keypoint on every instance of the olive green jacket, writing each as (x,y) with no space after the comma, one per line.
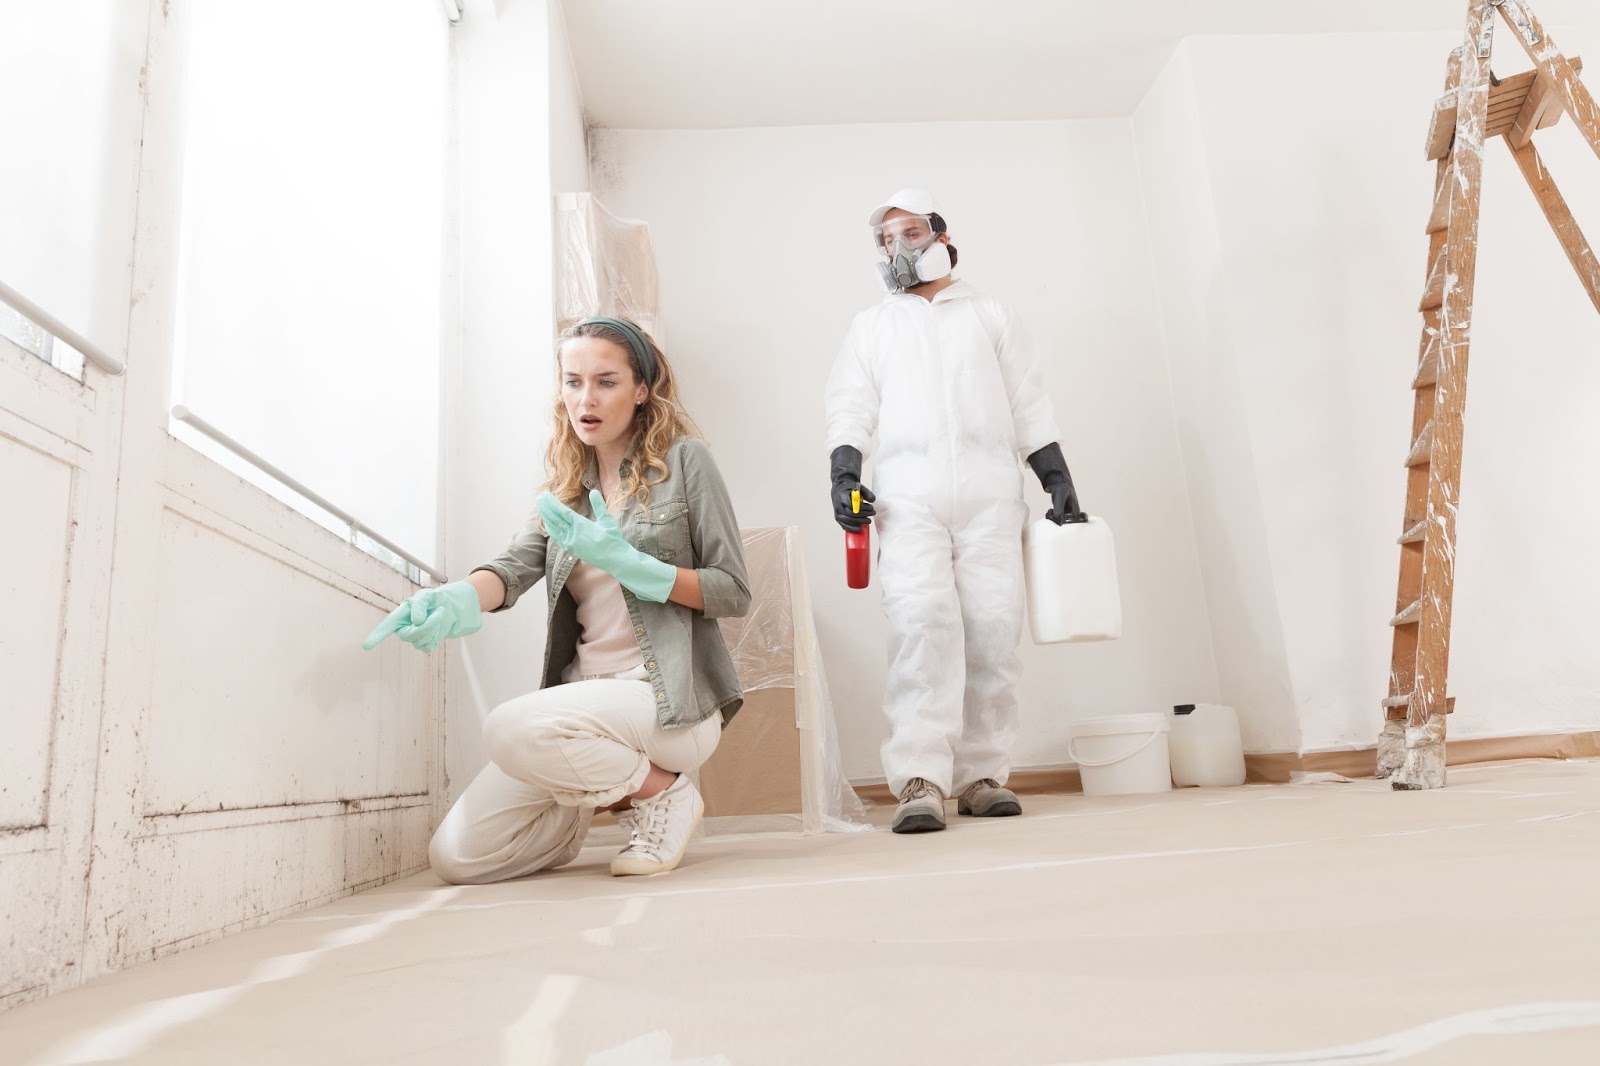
(689,522)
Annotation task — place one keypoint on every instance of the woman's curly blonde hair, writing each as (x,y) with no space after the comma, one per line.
(657,422)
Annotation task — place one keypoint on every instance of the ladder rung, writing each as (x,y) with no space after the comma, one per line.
(1409,616)
(1414,534)
(1422,447)
(1428,368)
(1439,217)
(1434,295)
(1398,702)
(1442,126)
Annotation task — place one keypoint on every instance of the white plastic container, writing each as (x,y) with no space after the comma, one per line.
(1122,754)
(1071,573)
(1206,749)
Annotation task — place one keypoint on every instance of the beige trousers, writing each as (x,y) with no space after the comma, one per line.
(555,755)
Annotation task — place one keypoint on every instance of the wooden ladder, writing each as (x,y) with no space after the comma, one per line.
(1475,106)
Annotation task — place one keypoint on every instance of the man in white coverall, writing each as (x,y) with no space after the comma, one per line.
(941,375)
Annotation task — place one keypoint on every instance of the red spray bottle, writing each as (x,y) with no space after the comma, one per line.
(857,550)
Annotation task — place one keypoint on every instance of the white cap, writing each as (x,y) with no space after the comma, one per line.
(916,201)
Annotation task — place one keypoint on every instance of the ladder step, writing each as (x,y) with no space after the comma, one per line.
(1434,295)
(1422,447)
(1508,97)
(1442,126)
(1428,368)
(1410,616)
(1394,702)
(1414,534)
(1439,217)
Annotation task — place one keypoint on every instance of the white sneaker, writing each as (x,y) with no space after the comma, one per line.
(661,827)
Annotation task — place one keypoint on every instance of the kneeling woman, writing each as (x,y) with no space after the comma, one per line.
(640,551)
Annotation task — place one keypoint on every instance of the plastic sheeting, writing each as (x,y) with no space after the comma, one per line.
(762,642)
(605,265)
(779,662)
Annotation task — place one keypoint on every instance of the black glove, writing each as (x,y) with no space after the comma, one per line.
(846,476)
(1051,467)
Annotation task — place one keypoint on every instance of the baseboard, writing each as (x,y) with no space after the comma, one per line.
(1363,762)
(1275,767)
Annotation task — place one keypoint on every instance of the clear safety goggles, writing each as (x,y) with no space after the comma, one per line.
(916,230)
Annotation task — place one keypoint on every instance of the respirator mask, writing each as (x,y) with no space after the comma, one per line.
(911,250)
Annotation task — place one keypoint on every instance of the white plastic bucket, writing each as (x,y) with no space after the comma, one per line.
(1121,754)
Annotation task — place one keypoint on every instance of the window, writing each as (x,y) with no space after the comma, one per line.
(36,340)
(69,136)
(310,274)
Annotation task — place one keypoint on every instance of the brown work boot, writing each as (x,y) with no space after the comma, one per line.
(988,799)
(921,808)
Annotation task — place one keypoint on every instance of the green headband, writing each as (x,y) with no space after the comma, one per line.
(643,350)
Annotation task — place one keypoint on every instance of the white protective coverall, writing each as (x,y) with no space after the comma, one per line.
(952,392)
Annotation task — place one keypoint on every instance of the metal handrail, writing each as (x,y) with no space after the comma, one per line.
(28,309)
(188,417)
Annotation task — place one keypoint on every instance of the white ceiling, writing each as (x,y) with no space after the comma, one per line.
(710,64)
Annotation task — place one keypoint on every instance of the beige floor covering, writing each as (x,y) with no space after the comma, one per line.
(1309,923)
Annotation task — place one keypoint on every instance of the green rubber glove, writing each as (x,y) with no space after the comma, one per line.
(430,616)
(600,543)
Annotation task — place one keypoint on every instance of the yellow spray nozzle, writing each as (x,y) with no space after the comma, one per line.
(855,501)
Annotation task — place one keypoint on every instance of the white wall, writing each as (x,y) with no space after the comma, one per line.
(569,149)
(1218,460)
(764,257)
(1307,276)
(522,139)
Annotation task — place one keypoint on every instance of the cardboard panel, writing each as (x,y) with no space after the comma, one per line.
(756,767)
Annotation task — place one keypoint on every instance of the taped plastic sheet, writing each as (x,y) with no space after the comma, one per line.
(763,641)
(1391,748)
(1424,765)
(1316,777)
(780,754)
(605,266)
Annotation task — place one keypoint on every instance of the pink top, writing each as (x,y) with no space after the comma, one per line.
(606,644)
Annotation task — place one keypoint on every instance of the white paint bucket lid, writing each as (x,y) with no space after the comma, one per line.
(1117,724)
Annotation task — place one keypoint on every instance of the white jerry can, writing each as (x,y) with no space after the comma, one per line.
(1205,748)
(1071,574)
